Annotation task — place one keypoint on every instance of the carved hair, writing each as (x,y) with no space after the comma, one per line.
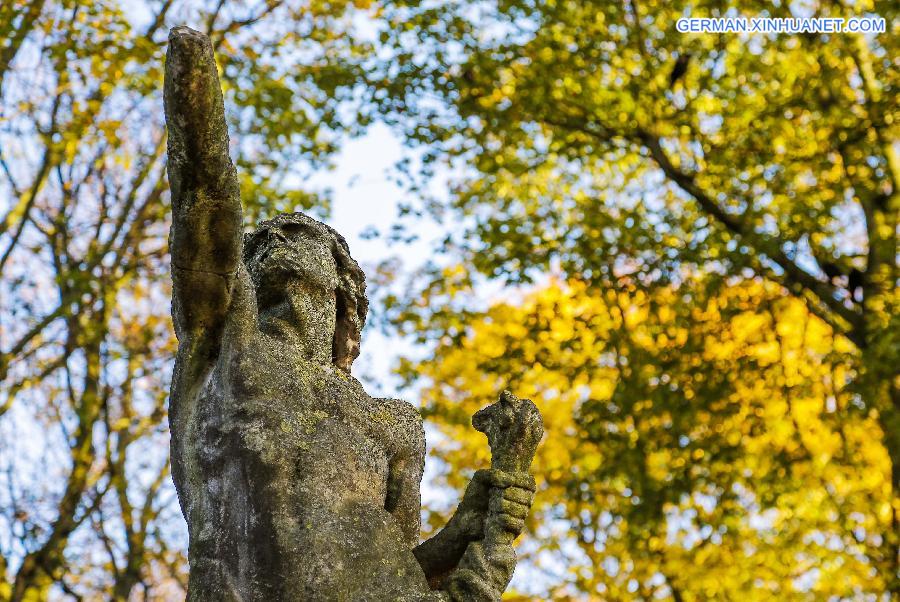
(350,295)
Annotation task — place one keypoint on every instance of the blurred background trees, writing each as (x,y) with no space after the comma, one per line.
(718,207)
(682,247)
(706,447)
(86,503)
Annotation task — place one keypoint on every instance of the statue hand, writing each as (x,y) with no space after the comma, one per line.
(511,503)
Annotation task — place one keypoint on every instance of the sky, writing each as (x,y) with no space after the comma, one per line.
(364,197)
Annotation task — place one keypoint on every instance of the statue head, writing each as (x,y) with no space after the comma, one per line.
(295,248)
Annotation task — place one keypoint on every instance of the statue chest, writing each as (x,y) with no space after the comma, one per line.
(313,427)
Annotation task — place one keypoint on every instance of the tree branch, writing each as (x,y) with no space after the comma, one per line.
(795,278)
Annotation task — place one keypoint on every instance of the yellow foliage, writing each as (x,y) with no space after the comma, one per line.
(707,442)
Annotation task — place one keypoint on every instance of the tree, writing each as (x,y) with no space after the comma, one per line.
(594,142)
(699,447)
(580,153)
(87,507)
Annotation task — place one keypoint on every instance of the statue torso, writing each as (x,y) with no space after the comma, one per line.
(292,459)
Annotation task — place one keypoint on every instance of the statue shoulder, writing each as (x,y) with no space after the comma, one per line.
(408,428)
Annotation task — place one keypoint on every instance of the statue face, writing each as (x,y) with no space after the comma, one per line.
(300,266)
(284,254)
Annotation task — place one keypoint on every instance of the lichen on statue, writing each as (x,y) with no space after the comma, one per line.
(295,483)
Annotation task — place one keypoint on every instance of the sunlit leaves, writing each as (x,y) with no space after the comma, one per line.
(707,444)
(579,152)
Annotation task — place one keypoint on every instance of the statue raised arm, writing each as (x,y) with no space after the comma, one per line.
(205,240)
(295,483)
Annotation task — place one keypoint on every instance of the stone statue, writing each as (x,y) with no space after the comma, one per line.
(295,484)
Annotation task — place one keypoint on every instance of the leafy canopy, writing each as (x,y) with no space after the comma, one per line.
(700,447)
(593,143)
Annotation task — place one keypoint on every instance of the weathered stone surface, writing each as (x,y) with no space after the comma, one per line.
(295,484)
